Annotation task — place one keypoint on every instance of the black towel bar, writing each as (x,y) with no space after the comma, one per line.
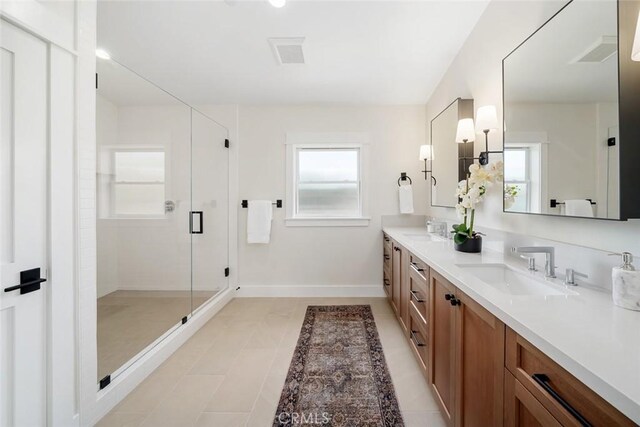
(554,202)
(277,203)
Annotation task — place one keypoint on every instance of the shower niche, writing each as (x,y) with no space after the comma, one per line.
(162,215)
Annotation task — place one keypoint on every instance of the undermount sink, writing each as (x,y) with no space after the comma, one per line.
(512,282)
(425,237)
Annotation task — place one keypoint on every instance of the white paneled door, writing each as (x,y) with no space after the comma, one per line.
(23,222)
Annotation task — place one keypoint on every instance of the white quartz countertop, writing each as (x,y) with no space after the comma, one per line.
(596,341)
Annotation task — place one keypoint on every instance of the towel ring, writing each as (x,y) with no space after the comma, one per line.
(404,177)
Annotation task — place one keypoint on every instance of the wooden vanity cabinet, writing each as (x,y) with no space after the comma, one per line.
(400,291)
(537,387)
(442,344)
(479,365)
(387,266)
(396,277)
(466,367)
(481,372)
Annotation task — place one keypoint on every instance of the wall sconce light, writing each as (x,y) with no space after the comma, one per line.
(486,121)
(635,50)
(426,153)
(466,132)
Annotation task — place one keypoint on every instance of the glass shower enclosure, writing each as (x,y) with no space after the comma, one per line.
(162,214)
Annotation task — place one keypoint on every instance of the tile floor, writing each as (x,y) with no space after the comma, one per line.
(128,321)
(231,372)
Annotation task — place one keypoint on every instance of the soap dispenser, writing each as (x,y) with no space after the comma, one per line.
(626,284)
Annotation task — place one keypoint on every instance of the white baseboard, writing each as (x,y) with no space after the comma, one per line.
(311,291)
(131,377)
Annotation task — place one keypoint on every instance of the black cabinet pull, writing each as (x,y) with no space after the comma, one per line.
(387,257)
(455,301)
(386,282)
(448,296)
(386,239)
(395,248)
(415,340)
(414,295)
(543,381)
(29,281)
(200,222)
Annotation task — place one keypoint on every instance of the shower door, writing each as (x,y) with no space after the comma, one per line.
(209,216)
(144,198)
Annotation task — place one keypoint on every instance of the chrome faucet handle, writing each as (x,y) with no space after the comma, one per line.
(570,278)
(531,261)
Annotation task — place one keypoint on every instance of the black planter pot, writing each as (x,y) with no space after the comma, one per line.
(473,245)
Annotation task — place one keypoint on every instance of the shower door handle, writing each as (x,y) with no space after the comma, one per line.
(200,229)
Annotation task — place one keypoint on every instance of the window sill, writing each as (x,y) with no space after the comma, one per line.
(327,222)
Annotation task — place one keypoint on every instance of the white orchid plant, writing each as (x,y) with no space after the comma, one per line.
(471,192)
(510,193)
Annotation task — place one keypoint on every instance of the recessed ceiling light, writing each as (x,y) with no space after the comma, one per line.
(277,3)
(103,54)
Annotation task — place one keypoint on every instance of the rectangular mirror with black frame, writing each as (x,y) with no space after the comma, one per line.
(571,125)
(451,159)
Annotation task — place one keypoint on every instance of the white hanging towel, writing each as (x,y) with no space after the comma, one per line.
(259,221)
(580,207)
(405,193)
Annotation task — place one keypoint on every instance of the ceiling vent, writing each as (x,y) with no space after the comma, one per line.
(604,48)
(288,50)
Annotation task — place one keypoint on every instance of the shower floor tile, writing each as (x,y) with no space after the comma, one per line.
(128,321)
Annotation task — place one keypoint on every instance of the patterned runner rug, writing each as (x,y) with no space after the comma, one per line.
(338,375)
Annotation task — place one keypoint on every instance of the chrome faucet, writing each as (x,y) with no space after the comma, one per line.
(548,251)
(438,227)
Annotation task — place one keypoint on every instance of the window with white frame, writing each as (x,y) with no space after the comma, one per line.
(517,174)
(325,183)
(134,184)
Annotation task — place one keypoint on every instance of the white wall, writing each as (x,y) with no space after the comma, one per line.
(477,73)
(301,260)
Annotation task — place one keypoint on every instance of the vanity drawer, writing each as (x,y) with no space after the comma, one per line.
(387,259)
(386,281)
(521,409)
(566,398)
(418,337)
(418,291)
(420,267)
(387,242)
(387,254)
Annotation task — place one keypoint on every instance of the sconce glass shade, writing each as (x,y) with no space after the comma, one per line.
(635,50)
(466,131)
(426,153)
(486,118)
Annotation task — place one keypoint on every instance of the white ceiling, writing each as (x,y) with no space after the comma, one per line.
(542,69)
(356,52)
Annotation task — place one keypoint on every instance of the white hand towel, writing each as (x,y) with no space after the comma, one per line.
(579,207)
(259,221)
(405,193)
